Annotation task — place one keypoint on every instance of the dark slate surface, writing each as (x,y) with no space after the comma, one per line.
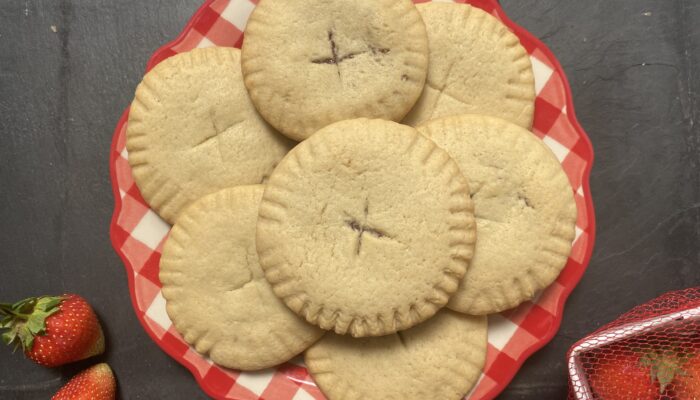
(633,67)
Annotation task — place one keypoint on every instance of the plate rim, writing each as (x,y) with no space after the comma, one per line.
(161,53)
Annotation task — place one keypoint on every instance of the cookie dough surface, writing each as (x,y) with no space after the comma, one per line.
(476,66)
(524,207)
(309,63)
(366,228)
(215,290)
(193,130)
(441,358)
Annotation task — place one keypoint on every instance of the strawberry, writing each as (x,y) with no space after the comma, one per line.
(629,378)
(53,330)
(688,380)
(95,383)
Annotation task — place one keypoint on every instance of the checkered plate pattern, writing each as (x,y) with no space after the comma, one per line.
(137,233)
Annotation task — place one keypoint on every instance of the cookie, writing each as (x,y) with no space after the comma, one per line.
(192,131)
(524,207)
(215,291)
(476,66)
(439,359)
(366,228)
(309,63)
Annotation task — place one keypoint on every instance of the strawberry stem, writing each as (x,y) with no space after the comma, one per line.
(6,309)
(26,318)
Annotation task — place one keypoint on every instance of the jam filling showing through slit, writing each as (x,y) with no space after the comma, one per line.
(362,227)
(336,58)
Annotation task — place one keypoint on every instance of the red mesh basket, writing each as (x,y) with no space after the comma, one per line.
(652,352)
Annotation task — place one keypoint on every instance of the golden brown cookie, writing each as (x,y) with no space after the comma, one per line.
(192,131)
(476,66)
(366,228)
(524,207)
(309,63)
(441,358)
(216,293)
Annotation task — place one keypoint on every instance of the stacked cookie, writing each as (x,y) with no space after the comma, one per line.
(415,203)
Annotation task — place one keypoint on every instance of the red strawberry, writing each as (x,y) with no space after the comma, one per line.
(688,380)
(625,378)
(53,330)
(95,383)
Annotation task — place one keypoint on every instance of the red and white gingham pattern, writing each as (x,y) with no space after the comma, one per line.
(138,233)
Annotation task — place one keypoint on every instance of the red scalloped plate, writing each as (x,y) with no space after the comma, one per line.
(137,233)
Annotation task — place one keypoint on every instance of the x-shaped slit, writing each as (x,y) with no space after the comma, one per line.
(336,58)
(217,132)
(362,227)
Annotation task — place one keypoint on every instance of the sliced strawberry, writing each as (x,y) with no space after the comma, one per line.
(53,330)
(95,383)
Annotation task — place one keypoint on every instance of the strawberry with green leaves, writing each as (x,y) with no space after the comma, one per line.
(95,383)
(52,330)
